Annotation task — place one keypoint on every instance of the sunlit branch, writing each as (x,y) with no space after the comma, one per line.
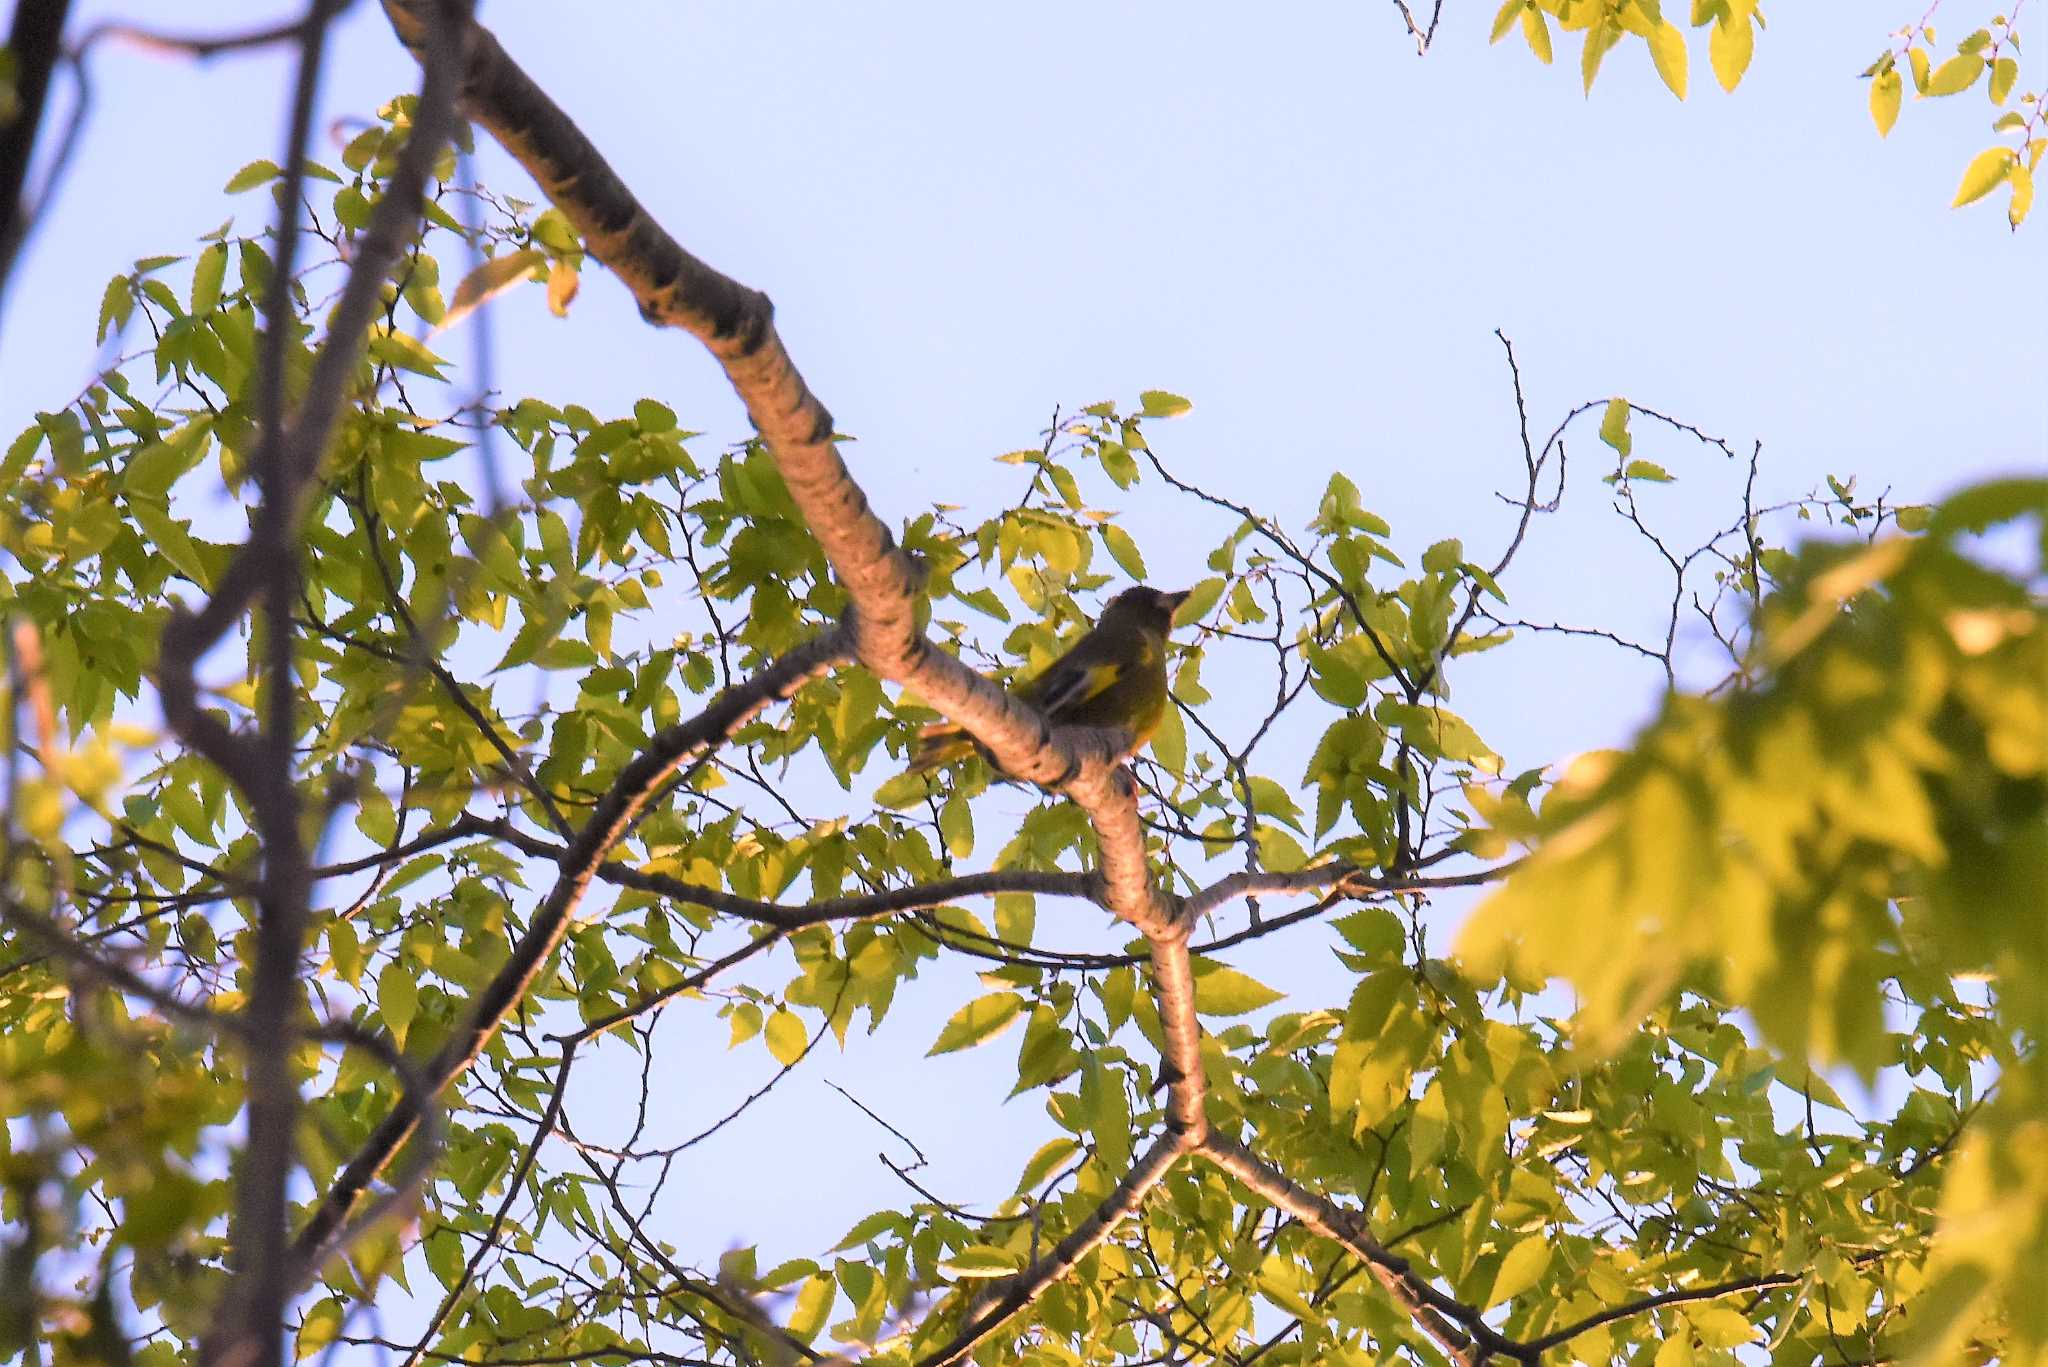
(1432,1311)
(1006,1297)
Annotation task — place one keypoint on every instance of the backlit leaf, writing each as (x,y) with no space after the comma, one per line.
(978,1022)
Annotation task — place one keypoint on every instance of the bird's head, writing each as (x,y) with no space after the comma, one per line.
(1148,609)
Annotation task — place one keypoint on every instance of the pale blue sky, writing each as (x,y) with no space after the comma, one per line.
(967,216)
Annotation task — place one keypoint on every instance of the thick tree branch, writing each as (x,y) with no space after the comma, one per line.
(35,38)
(248,1328)
(674,288)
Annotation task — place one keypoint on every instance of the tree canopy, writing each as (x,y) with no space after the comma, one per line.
(405,785)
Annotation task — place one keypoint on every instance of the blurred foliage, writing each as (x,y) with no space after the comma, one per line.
(1989,56)
(1833,856)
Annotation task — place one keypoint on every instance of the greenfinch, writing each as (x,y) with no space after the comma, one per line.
(1115,675)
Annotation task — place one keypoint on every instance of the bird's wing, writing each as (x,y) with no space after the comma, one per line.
(1069,682)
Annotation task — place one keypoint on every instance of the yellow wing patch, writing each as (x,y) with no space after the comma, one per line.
(1077,687)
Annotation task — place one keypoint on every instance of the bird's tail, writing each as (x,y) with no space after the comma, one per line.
(939,744)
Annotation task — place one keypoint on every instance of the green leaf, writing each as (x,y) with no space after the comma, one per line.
(813,1305)
(1158,403)
(1223,991)
(1984,174)
(19,452)
(1647,471)
(156,467)
(207,274)
(399,350)
(979,1260)
(1053,1155)
(978,1022)
(956,826)
(116,306)
(398,997)
(1720,1326)
(1170,741)
(254,174)
(171,539)
(1016,917)
(1123,550)
(319,1328)
(879,1223)
(1521,1269)
(1202,599)
(786,1036)
(1886,90)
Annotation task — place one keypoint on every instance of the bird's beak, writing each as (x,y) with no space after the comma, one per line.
(1174,601)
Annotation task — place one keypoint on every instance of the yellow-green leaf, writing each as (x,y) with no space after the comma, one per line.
(2004,72)
(1503,20)
(813,1304)
(1158,403)
(2022,195)
(1524,1265)
(1598,39)
(254,174)
(1955,75)
(1729,47)
(207,273)
(1886,89)
(1983,175)
(980,1260)
(746,1023)
(488,281)
(171,539)
(786,1036)
(1721,1326)
(956,826)
(1537,32)
(977,1022)
(398,997)
(319,1328)
(1223,991)
(1667,50)
(1614,426)
(1123,550)
(563,282)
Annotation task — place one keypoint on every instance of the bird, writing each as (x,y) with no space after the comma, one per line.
(1115,675)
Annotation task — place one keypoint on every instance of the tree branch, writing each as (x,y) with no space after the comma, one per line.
(1006,1297)
(614,813)
(788,916)
(1432,1310)
(35,38)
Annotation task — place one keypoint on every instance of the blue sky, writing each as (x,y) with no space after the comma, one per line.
(966,217)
